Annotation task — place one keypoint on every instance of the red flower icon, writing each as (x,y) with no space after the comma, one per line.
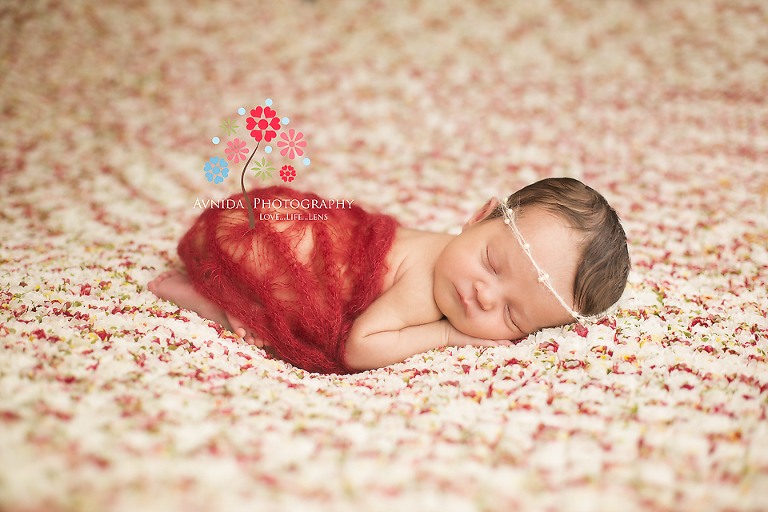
(263,127)
(287,173)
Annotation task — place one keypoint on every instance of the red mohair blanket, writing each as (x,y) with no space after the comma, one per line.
(298,280)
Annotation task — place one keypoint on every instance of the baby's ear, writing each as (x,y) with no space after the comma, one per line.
(482,212)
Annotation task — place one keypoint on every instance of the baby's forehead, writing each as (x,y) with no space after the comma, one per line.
(536,221)
(548,248)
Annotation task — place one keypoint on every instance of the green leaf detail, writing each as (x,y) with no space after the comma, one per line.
(263,169)
(228,126)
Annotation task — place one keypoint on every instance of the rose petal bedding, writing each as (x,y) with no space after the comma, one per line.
(111,399)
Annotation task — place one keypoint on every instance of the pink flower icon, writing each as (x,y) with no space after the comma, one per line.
(291,145)
(236,150)
(263,128)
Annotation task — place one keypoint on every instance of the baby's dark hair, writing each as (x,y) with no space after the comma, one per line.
(604,267)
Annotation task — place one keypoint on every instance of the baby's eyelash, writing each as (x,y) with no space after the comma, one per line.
(509,314)
(488,259)
(507,311)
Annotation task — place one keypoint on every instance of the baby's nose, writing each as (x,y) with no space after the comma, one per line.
(485,295)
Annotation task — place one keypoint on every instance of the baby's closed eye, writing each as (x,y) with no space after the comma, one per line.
(488,261)
(509,319)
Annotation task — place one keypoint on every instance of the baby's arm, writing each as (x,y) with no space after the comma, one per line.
(387,333)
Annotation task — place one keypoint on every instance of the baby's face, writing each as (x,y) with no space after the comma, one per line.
(486,286)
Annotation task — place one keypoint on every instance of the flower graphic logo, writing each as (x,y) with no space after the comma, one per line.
(263,127)
(236,150)
(216,169)
(287,173)
(291,144)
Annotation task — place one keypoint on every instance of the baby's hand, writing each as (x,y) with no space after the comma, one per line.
(457,338)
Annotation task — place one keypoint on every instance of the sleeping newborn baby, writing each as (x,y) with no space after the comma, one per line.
(332,288)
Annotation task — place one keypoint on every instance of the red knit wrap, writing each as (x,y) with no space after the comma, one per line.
(299,284)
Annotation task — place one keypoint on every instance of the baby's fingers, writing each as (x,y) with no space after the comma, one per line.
(490,343)
(499,343)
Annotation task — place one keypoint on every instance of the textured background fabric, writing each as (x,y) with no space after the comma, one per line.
(113,400)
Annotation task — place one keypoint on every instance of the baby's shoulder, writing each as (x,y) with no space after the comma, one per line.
(407,296)
(396,257)
(412,256)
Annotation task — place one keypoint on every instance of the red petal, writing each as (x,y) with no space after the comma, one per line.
(256,134)
(275,123)
(268,136)
(250,123)
(256,112)
(268,112)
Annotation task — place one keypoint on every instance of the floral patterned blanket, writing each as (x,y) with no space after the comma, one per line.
(119,120)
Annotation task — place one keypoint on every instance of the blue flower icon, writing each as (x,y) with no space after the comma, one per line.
(216,169)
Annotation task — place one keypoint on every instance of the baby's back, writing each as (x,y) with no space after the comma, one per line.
(300,278)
